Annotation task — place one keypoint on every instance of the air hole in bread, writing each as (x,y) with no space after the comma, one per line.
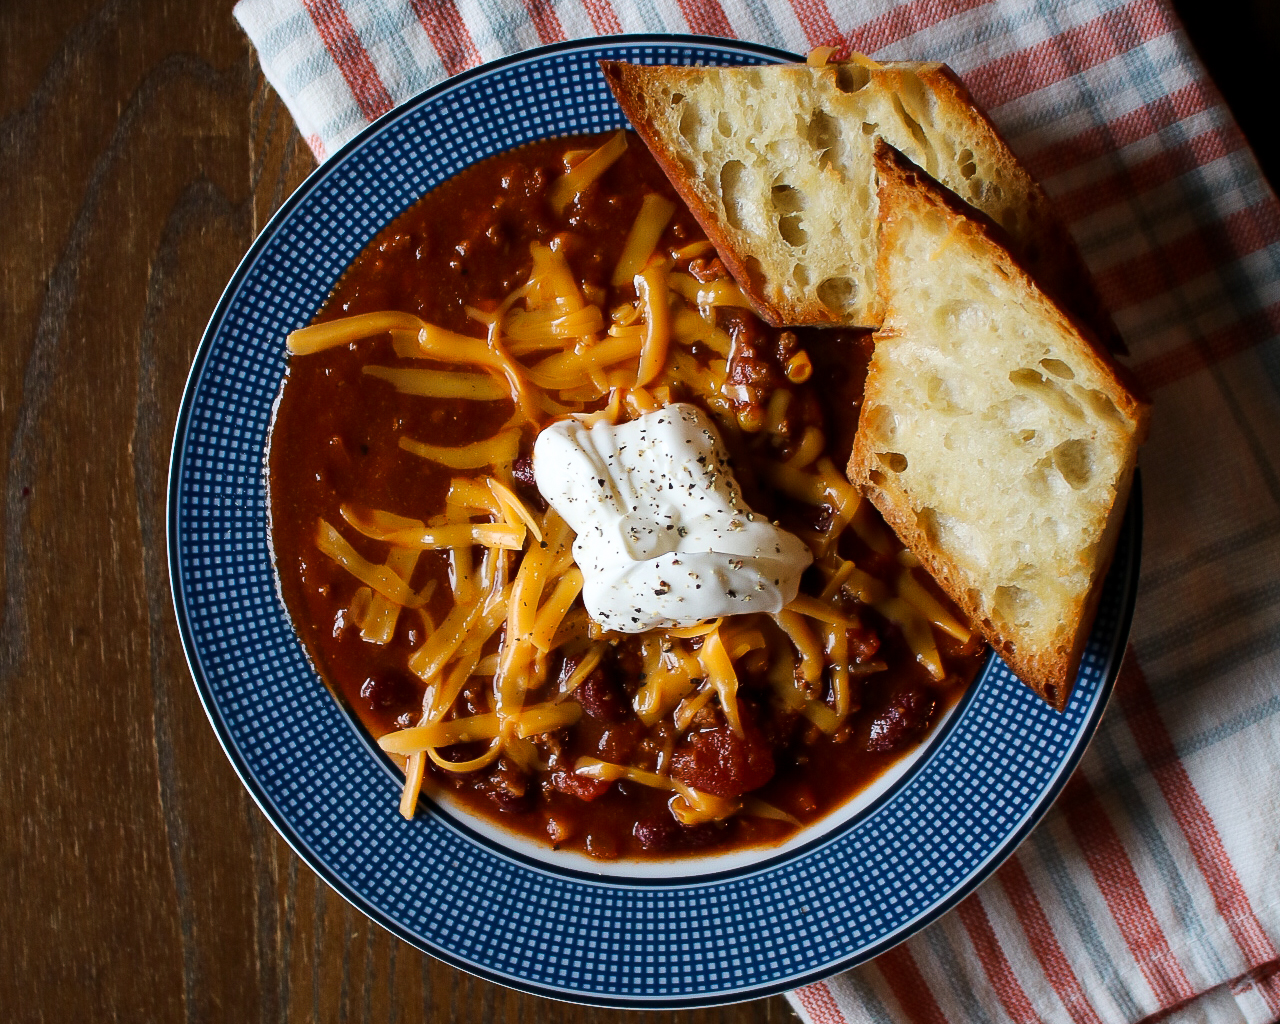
(755,79)
(940,394)
(677,97)
(1015,605)
(927,523)
(928,155)
(1074,460)
(851,77)
(923,102)
(967,167)
(881,422)
(1026,436)
(755,274)
(1058,368)
(822,133)
(1101,404)
(786,198)
(876,477)
(959,316)
(1038,478)
(1051,694)
(935,223)
(724,125)
(893,461)
(837,293)
(1049,391)
(800,275)
(791,228)
(690,123)
(869,128)
(732,191)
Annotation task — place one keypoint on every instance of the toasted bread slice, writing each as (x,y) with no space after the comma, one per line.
(994,438)
(776,163)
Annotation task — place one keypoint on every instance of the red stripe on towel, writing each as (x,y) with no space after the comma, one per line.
(348,52)
(1203,249)
(545,20)
(898,967)
(905,20)
(1073,51)
(1106,139)
(1043,943)
(819,1004)
(1156,745)
(994,963)
(1211,348)
(706,17)
(1122,889)
(1145,175)
(603,17)
(448,34)
(819,27)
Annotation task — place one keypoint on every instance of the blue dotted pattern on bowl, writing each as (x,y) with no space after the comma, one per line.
(665,943)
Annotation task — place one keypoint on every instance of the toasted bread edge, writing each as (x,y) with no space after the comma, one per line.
(1049,674)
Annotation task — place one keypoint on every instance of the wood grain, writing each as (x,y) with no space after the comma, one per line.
(141,154)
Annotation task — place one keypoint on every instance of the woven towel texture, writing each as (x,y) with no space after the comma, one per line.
(1152,886)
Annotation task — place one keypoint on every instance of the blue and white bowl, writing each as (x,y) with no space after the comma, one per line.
(685,932)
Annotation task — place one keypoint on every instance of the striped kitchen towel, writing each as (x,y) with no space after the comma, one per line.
(1152,888)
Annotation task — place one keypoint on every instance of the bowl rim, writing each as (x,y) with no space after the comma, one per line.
(1131,528)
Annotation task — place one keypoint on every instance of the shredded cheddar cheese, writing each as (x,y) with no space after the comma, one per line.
(650,222)
(516,620)
(588,170)
(499,450)
(651,286)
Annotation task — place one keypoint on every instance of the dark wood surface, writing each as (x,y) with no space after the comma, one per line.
(142,152)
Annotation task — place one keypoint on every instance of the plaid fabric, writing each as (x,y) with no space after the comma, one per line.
(1151,889)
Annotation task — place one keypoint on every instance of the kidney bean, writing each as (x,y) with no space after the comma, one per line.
(602,697)
(904,720)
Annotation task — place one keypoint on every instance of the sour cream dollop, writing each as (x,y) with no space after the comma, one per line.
(664,537)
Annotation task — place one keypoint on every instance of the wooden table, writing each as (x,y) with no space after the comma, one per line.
(142,154)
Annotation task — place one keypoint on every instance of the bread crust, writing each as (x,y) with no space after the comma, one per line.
(1048,249)
(1050,673)
(1045,244)
(632,88)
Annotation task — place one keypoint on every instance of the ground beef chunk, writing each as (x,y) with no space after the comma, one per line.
(720,762)
(707,270)
(508,787)
(863,643)
(788,345)
(391,692)
(752,373)
(903,721)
